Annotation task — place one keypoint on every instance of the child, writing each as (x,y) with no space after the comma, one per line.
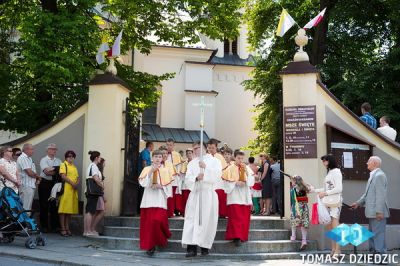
(257,188)
(238,180)
(156,180)
(299,215)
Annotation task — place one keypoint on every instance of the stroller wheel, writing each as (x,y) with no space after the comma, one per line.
(30,243)
(41,240)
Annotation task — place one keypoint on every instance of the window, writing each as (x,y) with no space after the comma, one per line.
(230,47)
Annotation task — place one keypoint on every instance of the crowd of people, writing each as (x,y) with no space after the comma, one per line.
(218,183)
(56,182)
(384,128)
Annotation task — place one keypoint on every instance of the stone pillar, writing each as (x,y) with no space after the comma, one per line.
(299,80)
(105,132)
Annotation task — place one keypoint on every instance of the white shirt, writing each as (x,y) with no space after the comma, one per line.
(333,183)
(11,168)
(154,198)
(25,162)
(47,162)
(388,132)
(93,170)
(240,195)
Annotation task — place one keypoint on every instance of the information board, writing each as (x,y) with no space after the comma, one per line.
(300,132)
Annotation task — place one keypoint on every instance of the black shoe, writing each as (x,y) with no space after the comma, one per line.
(150,252)
(191,254)
(204,251)
(237,242)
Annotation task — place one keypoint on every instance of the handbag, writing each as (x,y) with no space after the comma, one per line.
(60,180)
(323,214)
(314,214)
(92,188)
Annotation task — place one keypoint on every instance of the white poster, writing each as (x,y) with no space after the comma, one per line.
(347,159)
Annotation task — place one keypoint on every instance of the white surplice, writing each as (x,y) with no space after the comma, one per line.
(193,233)
(237,194)
(154,198)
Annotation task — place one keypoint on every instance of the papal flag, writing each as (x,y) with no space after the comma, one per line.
(285,23)
(101,51)
(116,48)
(315,21)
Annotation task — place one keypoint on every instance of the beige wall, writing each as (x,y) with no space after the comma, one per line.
(105,131)
(233,109)
(302,89)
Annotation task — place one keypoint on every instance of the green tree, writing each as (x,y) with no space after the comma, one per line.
(355,48)
(53,59)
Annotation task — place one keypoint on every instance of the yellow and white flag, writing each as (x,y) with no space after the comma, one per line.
(285,23)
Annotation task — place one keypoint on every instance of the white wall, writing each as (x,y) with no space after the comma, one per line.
(198,77)
(192,113)
(234,106)
(243,45)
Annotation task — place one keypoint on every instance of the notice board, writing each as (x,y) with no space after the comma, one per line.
(300,132)
(350,152)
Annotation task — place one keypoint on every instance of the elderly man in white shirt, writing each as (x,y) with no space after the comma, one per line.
(27,169)
(385,129)
(48,166)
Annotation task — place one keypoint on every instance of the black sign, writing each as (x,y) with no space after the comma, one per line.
(300,132)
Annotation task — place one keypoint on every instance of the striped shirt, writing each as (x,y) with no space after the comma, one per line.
(25,162)
(369,119)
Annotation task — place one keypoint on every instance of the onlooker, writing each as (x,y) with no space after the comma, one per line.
(367,117)
(376,205)
(27,169)
(144,160)
(145,156)
(385,129)
(91,219)
(265,177)
(8,170)
(276,185)
(69,199)
(332,192)
(256,190)
(16,153)
(101,202)
(48,170)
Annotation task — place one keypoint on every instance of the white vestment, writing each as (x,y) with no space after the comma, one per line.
(154,198)
(237,194)
(193,233)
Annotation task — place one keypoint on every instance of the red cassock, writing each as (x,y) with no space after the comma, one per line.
(185,196)
(222,207)
(154,228)
(238,222)
(174,203)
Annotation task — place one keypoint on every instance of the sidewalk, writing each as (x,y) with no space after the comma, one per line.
(80,251)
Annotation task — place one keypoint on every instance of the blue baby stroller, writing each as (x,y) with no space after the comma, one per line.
(15,221)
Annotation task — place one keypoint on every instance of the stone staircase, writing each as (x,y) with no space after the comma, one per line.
(268,239)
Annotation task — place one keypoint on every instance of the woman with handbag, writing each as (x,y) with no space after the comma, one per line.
(69,199)
(331,195)
(94,190)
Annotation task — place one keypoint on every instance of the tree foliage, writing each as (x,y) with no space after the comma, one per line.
(53,43)
(355,47)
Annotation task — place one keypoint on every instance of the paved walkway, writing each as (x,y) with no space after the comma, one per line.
(79,251)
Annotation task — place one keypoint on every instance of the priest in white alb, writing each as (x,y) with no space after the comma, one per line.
(201,214)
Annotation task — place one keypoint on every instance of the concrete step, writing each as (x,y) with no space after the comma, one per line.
(257,222)
(219,246)
(231,257)
(254,234)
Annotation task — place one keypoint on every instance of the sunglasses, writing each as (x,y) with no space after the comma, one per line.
(70,156)
(18,154)
(9,150)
